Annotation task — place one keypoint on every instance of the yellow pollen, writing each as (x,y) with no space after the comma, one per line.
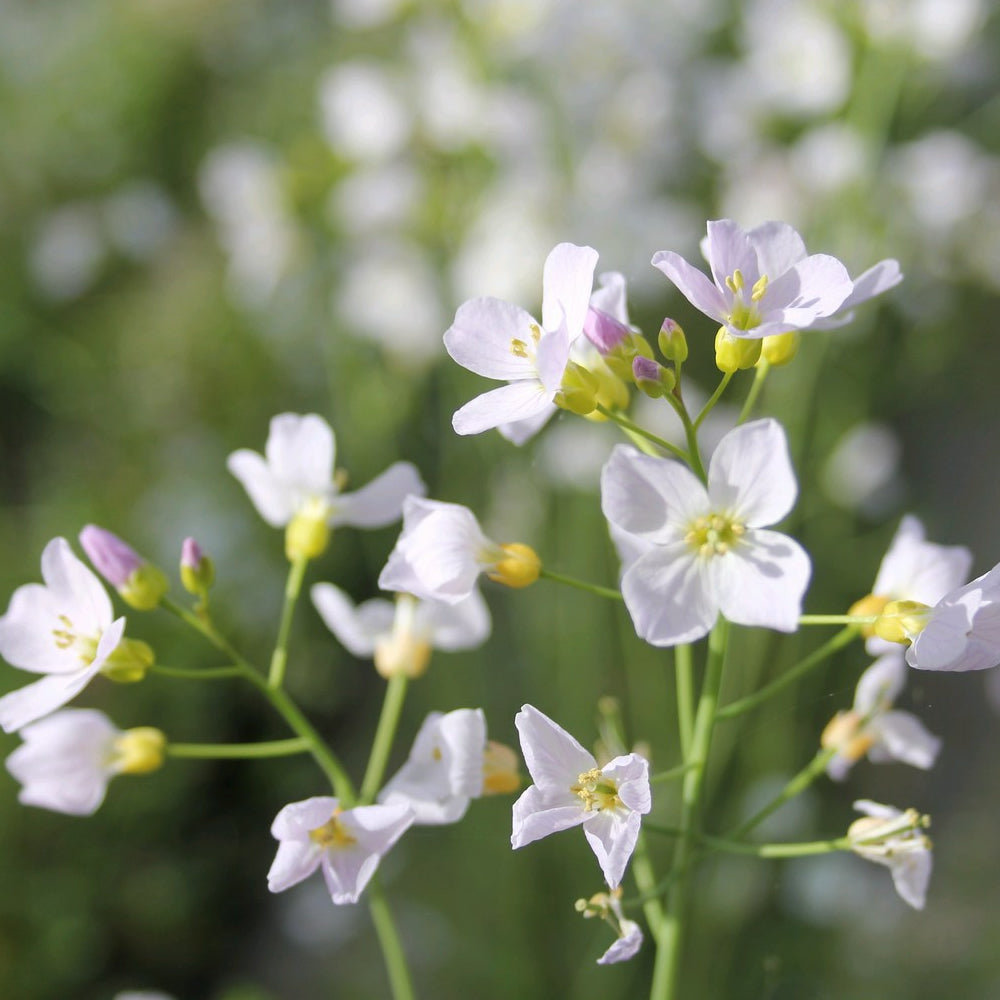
(518,348)
(714,534)
(436,753)
(735,281)
(597,791)
(332,834)
(759,288)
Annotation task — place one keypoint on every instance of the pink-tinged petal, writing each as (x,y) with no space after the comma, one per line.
(652,498)
(904,737)
(877,279)
(666,595)
(624,947)
(356,628)
(507,405)
(914,569)
(273,499)
(294,861)
(881,684)
(112,557)
(631,774)
(612,838)
(692,284)
(302,450)
(77,590)
(534,818)
(41,697)
(554,759)
(296,819)
(762,581)
(817,285)
(464,625)
(728,249)
(778,247)
(911,874)
(381,501)
(482,336)
(567,279)
(610,296)
(26,633)
(521,431)
(750,474)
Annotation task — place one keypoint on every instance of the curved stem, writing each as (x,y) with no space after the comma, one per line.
(392,705)
(760,374)
(713,399)
(204,626)
(634,428)
(392,946)
(233,751)
(691,434)
(590,588)
(293,587)
(830,647)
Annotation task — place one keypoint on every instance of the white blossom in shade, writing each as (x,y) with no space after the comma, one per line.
(763,282)
(872,726)
(444,770)
(571,790)
(400,635)
(347,844)
(63,629)
(442,550)
(696,551)
(894,838)
(501,341)
(295,476)
(608,907)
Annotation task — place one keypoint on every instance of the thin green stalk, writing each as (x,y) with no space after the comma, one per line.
(669,939)
(634,428)
(233,751)
(392,705)
(837,619)
(796,786)
(684,679)
(392,947)
(801,668)
(713,399)
(197,673)
(796,850)
(649,895)
(761,371)
(204,626)
(590,588)
(293,587)
(671,775)
(691,434)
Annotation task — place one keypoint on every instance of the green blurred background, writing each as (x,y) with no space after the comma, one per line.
(214,211)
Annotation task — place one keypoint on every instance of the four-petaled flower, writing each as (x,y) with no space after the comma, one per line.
(570,789)
(872,726)
(693,551)
(63,629)
(501,341)
(347,844)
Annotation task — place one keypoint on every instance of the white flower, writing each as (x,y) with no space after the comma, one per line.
(608,906)
(400,637)
(697,551)
(444,770)
(895,839)
(873,727)
(442,550)
(63,629)
(570,789)
(501,341)
(346,843)
(295,477)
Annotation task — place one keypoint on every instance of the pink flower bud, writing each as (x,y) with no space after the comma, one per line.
(604,331)
(115,560)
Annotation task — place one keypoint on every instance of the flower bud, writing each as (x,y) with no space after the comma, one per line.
(139,751)
(501,775)
(405,650)
(518,566)
(672,342)
(578,392)
(620,359)
(780,348)
(735,353)
(604,331)
(867,607)
(652,378)
(307,534)
(129,661)
(901,621)
(140,583)
(197,570)
(845,734)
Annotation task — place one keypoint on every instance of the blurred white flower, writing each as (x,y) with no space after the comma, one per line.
(67,251)
(862,471)
(363,113)
(374,199)
(829,157)
(140,218)
(362,14)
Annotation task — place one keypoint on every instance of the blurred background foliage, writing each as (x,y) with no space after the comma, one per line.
(212,211)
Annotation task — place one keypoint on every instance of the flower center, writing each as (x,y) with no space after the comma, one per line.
(332,834)
(597,791)
(743,311)
(67,638)
(714,534)
(521,348)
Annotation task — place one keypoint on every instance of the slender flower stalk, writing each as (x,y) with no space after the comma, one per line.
(570,581)
(392,706)
(293,587)
(238,751)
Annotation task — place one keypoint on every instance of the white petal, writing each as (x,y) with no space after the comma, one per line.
(301,450)
(762,582)
(510,404)
(521,431)
(567,280)
(904,738)
(877,279)
(464,625)
(273,499)
(778,247)
(26,633)
(692,284)
(40,698)
(750,474)
(294,861)
(914,569)
(610,297)
(728,249)
(612,838)
(296,819)
(481,337)
(911,873)
(534,818)
(631,774)
(816,286)
(355,627)
(381,501)
(555,760)
(624,947)
(551,358)
(944,642)
(80,593)
(881,683)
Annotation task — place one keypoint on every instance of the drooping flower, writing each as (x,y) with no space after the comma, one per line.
(450,764)
(63,629)
(140,583)
(347,844)
(293,485)
(608,906)
(501,341)
(872,726)
(400,637)
(68,758)
(571,790)
(895,839)
(913,569)
(695,551)
(441,552)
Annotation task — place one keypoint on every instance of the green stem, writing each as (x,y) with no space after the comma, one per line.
(204,626)
(197,673)
(671,774)
(691,434)
(392,705)
(796,786)
(392,947)
(684,679)
(648,435)
(713,399)
(649,895)
(590,588)
(757,850)
(838,619)
(232,751)
(669,939)
(293,587)
(760,374)
(830,647)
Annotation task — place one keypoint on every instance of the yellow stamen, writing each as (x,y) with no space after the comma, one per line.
(714,534)
(332,834)
(597,791)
